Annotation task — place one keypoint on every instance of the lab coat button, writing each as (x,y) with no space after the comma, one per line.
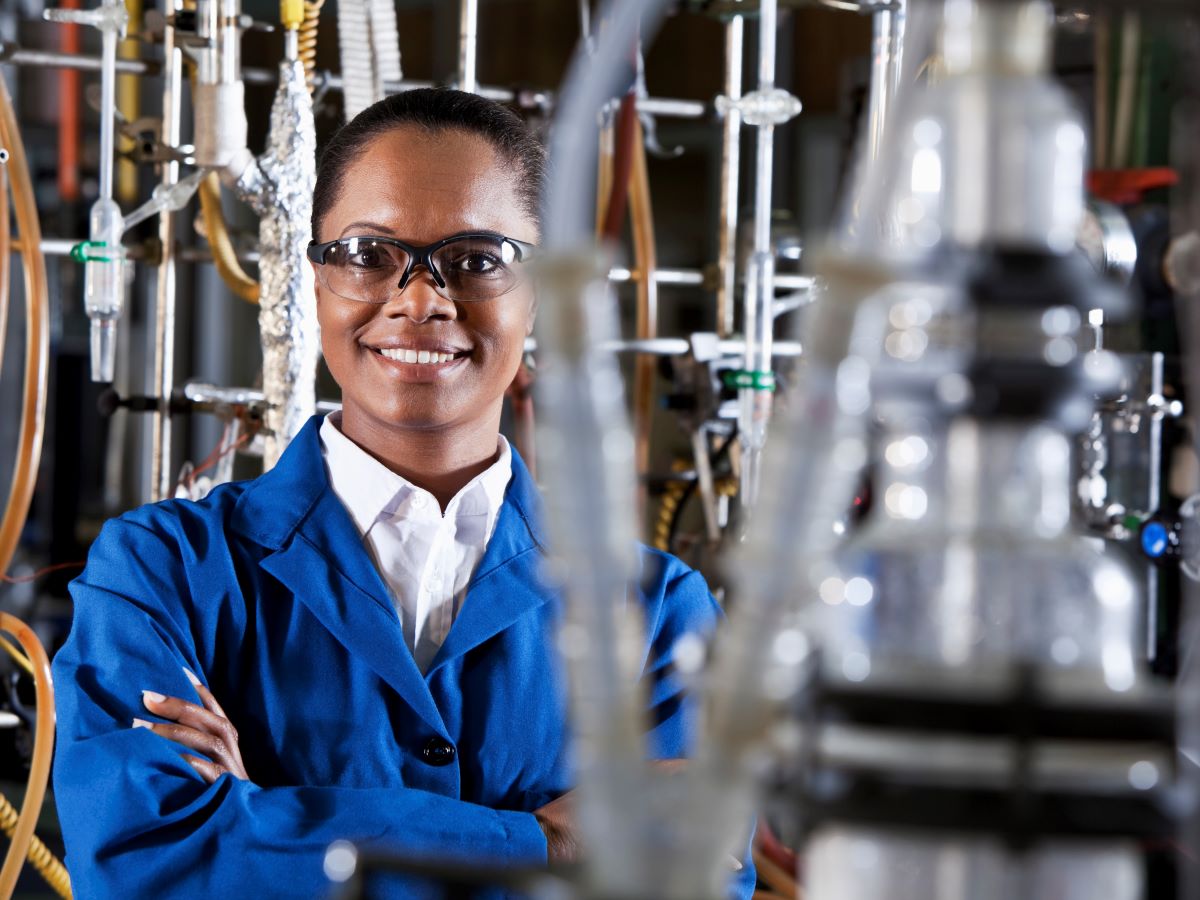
(438,753)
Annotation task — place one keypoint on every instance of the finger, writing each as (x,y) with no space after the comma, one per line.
(210,702)
(189,714)
(209,771)
(192,716)
(209,744)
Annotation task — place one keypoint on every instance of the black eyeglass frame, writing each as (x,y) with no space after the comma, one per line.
(422,256)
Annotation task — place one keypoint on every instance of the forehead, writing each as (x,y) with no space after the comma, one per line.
(421,186)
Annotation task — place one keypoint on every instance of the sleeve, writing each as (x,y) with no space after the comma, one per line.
(138,821)
(685,610)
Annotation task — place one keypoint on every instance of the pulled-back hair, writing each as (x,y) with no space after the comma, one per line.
(434,110)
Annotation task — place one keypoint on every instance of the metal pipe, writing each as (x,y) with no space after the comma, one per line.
(731,155)
(15,55)
(468,40)
(164,304)
(662,107)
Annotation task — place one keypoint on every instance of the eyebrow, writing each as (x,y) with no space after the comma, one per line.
(369,226)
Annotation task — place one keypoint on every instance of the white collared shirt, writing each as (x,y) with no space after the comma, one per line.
(426,558)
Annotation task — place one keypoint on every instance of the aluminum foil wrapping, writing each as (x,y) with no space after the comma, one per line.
(279,186)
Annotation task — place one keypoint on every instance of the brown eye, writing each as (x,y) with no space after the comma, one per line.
(477,264)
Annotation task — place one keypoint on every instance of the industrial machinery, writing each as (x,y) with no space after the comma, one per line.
(951,506)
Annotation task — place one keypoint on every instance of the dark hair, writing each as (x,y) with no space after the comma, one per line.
(433,109)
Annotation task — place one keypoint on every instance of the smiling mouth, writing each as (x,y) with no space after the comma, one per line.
(419,357)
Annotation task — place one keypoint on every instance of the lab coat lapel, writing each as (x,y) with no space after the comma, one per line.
(507,584)
(318,555)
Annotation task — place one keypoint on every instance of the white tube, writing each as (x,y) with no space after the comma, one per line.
(468,40)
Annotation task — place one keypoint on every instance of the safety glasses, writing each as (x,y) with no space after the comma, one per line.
(477,265)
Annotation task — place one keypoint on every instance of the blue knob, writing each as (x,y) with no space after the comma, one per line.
(1156,539)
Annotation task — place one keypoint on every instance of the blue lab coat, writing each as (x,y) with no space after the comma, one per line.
(264,589)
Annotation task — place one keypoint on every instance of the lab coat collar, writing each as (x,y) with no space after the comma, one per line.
(274,505)
(318,554)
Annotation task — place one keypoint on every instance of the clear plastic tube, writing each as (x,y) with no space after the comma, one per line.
(586,463)
(104,274)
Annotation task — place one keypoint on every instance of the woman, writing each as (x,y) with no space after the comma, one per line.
(369,613)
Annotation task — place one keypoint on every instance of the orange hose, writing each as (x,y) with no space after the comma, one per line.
(68,113)
(43,748)
(626,147)
(37,339)
(645,256)
(5,258)
(604,176)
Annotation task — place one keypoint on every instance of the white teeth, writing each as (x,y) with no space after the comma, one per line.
(428,357)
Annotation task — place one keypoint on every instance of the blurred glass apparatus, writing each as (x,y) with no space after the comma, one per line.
(464,267)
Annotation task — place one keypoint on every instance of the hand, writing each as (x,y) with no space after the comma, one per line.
(557,818)
(205,729)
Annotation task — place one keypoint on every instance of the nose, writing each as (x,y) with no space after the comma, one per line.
(417,299)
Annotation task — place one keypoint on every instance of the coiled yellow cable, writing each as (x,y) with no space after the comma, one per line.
(45,862)
(672,496)
(307,39)
(39,855)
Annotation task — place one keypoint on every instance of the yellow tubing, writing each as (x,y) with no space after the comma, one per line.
(37,341)
(217,230)
(43,748)
(18,657)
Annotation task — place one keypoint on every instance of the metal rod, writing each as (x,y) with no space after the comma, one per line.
(15,55)
(164,306)
(468,41)
(731,164)
(665,107)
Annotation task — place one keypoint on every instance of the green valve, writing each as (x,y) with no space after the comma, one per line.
(80,254)
(743,379)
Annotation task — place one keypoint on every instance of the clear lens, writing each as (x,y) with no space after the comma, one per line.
(363,269)
(476,268)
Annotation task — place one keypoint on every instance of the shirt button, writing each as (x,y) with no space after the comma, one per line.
(419,501)
(438,753)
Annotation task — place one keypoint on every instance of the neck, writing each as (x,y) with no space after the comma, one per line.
(439,460)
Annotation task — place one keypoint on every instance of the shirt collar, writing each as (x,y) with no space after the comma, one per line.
(368,488)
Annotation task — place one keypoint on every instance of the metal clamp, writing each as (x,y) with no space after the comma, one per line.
(772,107)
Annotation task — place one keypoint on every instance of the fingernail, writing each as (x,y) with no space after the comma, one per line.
(191,677)
(141,723)
(152,697)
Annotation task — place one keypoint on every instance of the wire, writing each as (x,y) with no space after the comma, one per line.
(18,657)
(25,579)
(39,855)
(670,510)
(219,452)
